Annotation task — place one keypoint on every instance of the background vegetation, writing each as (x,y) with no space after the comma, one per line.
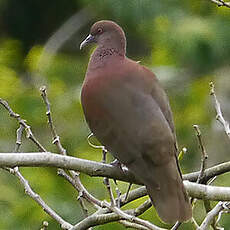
(186,43)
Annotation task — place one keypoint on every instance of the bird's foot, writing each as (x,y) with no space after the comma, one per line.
(117,163)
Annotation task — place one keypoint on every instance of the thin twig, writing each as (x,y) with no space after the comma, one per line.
(107,184)
(28,130)
(213,214)
(127,193)
(128,224)
(207,205)
(79,186)
(15,171)
(176,225)
(106,180)
(117,215)
(204,155)
(118,200)
(212,180)
(19,138)
(219,115)
(62,150)
(29,191)
(56,138)
(104,153)
(96,219)
(113,208)
(110,217)
(194,223)
(221,3)
(136,212)
(83,207)
(142,208)
(45,225)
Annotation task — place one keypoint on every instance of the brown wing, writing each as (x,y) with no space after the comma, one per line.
(162,100)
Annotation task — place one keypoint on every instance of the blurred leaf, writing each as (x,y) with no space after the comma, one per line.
(10,53)
(10,84)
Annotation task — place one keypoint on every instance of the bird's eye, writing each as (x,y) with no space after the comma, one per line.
(99,30)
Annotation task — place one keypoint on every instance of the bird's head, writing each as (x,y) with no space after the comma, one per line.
(106,34)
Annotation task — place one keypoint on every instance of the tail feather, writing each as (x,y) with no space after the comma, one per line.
(169,196)
(165,187)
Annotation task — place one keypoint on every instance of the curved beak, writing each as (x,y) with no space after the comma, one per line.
(90,39)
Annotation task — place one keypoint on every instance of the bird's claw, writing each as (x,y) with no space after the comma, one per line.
(116,163)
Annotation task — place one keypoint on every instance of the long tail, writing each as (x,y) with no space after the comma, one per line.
(165,187)
(169,196)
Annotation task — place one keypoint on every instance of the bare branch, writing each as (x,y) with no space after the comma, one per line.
(213,214)
(112,206)
(19,138)
(79,186)
(127,193)
(56,138)
(74,179)
(221,3)
(45,225)
(96,219)
(176,225)
(219,115)
(128,224)
(207,192)
(92,168)
(107,184)
(28,130)
(88,167)
(143,207)
(210,172)
(204,155)
(133,195)
(29,191)
(194,223)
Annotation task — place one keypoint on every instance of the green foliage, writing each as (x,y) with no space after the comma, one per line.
(182,36)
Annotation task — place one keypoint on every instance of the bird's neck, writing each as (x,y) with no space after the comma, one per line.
(103,56)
